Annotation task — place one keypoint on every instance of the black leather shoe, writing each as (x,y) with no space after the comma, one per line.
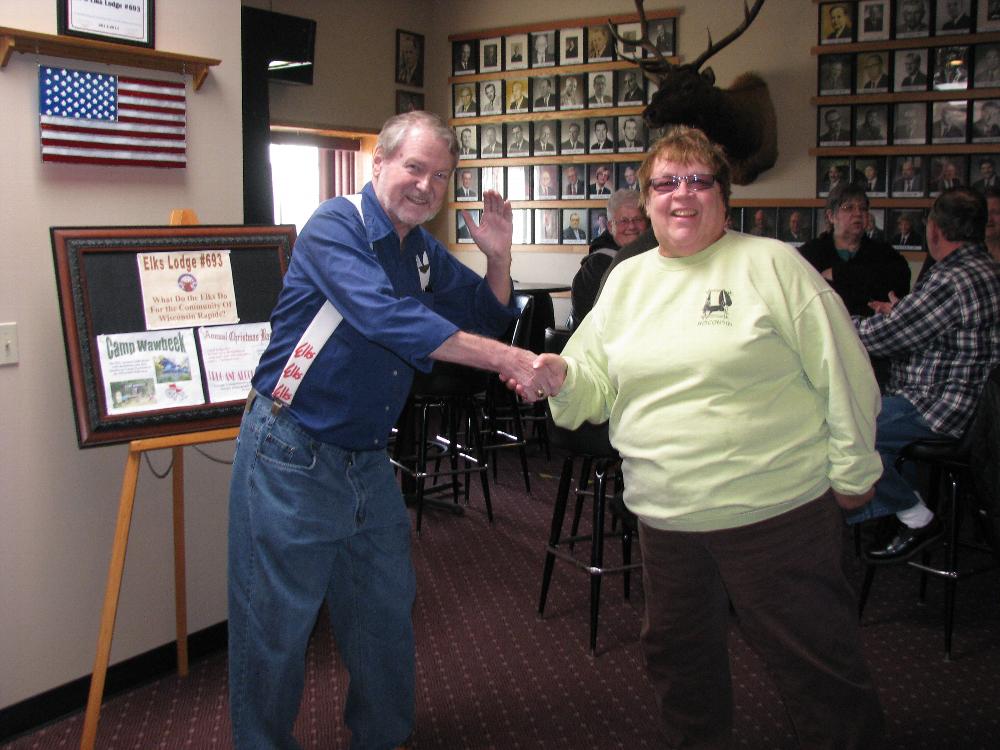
(906,542)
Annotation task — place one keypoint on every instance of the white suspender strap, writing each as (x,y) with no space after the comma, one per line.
(313,339)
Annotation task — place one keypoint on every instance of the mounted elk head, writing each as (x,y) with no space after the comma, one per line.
(741,118)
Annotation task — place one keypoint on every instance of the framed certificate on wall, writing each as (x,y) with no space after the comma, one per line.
(126,23)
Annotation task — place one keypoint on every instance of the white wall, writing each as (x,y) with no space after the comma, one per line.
(57,503)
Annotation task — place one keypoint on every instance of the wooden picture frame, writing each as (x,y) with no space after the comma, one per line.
(122,23)
(98,285)
(409,59)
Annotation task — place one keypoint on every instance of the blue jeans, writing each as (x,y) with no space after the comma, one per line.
(898,423)
(307,522)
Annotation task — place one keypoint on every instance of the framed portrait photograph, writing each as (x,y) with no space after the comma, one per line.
(601,89)
(468,141)
(795,225)
(464,57)
(952,17)
(575,223)
(834,126)
(871,125)
(409,58)
(986,67)
(986,121)
(491,141)
(831,172)
(546,139)
(598,222)
(734,219)
(141,368)
(984,172)
(464,99)
(820,221)
(913,19)
(627,175)
(874,20)
(951,68)
(123,23)
(572,137)
(518,138)
(599,44)
(519,183)
(602,180)
(947,172)
(836,74)
(763,222)
(629,85)
(949,122)
(492,178)
(515,52)
(873,72)
(988,15)
(875,224)
(910,70)
(909,176)
(491,55)
(871,175)
(601,135)
(571,46)
(408,101)
(573,181)
(467,184)
(546,182)
(836,23)
(632,136)
(542,49)
(904,228)
(462,233)
(628,32)
(572,90)
(662,33)
(544,95)
(547,227)
(521,219)
(517,95)
(491,97)
(909,123)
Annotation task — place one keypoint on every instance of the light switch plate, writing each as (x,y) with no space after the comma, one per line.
(8,343)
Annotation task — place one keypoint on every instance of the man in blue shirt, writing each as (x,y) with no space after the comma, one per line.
(315,511)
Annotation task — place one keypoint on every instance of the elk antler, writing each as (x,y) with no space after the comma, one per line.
(655,68)
(749,15)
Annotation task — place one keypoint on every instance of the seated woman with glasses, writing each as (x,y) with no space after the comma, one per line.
(860,269)
(743,406)
(626,222)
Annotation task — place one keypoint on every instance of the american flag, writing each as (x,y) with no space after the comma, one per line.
(97,118)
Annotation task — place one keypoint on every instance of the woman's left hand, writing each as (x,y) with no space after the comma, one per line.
(852,502)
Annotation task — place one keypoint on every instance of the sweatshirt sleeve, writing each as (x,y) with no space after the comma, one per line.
(588,393)
(838,368)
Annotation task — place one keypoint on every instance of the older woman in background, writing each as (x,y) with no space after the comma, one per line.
(743,406)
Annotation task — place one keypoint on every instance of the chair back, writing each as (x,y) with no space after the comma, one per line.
(520,331)
(982,446)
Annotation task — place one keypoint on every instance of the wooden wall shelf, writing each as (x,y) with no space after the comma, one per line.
(953,40)
(73,48)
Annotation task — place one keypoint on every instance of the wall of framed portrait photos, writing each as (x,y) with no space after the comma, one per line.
(907,104)
(550,116)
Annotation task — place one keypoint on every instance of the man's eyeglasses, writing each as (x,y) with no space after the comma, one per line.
(669,183)
(850,208)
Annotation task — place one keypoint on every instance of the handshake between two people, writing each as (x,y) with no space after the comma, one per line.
(533,377)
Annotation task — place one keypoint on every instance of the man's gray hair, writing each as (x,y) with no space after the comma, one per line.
(622,199)
(397,128)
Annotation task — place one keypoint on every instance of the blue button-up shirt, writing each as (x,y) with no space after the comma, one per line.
(358,383)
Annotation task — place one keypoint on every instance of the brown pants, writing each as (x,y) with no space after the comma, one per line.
(796,609)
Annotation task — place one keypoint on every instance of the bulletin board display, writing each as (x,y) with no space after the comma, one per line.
(163,326)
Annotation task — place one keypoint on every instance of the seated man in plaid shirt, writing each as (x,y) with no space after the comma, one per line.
(943,339)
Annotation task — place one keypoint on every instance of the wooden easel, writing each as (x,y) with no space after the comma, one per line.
(116,568)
